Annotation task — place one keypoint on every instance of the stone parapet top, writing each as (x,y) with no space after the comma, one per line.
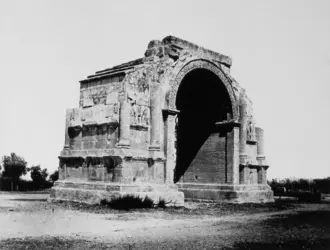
(123,65)
(172,40)
(92,78)
(116,70)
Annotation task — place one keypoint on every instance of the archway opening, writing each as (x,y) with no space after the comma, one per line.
(202,100)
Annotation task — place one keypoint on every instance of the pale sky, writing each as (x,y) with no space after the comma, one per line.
(280,52)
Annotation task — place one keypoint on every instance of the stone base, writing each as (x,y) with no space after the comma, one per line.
(94,192)
(227,193)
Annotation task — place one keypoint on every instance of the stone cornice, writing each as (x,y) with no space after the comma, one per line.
(227,123)
(170,111)
(254,166)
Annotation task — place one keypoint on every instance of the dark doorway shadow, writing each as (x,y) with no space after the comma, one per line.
(202,100)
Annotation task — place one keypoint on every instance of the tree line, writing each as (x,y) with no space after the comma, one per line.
(14,167)
(312,185)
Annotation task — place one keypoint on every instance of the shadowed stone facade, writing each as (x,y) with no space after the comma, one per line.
(174,124)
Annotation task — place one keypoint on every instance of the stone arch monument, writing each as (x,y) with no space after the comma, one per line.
(172,125)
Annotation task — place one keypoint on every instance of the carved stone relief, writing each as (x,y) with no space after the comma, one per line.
(97,115)
(100,92)
(137,89)
(250,131)
(250,122)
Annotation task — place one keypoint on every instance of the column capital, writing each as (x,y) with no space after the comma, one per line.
(243,159)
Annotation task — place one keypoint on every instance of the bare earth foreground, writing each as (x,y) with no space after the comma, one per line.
(28,221)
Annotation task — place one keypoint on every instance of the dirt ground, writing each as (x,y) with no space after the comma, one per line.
(28,221)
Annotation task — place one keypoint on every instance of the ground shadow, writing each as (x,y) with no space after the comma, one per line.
(304,230)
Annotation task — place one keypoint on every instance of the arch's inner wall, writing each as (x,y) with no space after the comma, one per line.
(202,100)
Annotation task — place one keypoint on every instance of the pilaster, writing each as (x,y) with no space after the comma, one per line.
(261,159)
(170,144)
(124,126)
(243,133)
(155,110)
(67,122)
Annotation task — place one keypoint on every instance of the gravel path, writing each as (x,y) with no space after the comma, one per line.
(30,215)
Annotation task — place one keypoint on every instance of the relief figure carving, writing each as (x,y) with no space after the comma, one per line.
(250,131)
(138,97)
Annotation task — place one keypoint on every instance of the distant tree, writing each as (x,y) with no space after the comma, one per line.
(322,185)
(38,176)
(54,176)
(14,167)
(303,184)
(274,184)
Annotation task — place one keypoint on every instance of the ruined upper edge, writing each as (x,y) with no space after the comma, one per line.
(170,46)
(222,59)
